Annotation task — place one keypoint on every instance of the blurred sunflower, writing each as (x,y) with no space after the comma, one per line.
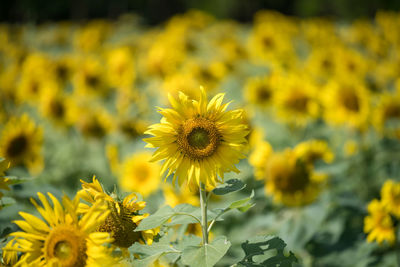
(390,197)
(140,175)
(258,158)
(21,142)
(174,196)
(123,216)
(91,121)
(296,99)
(4,181)
(55,105)
(63,238)
(313,150)
(121,69)
(290,179)
(386,116)
(198,140)
(260,90)
(182,82)
(347,102)
(90,78)
(378,224)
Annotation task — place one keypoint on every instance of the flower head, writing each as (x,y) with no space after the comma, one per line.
(198,140)
(378,224)
(123,217)
(21,141)
(63,238)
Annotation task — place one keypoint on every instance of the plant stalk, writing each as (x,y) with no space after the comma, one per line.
(203,205)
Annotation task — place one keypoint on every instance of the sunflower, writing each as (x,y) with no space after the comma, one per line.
(54,105)
(390,197)
(378,224)
(290,180)
(4,181)
(387,114)
(174,196)
(63,238)
(123,218)
(140,175)
(313,150)
(120,68)
(20,143)
(198,140)
(258,158)
(347,102)
(260,90)
(90,79)
(296,99)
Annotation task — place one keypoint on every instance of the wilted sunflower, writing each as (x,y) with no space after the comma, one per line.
(64,238)
(21,142)
(378,224)
(198,140)
(123,218)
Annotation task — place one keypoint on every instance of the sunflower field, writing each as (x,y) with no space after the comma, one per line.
(201,142)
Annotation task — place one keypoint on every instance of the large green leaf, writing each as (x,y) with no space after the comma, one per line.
(271,248)
(181,214)
(230,186)
(205,255)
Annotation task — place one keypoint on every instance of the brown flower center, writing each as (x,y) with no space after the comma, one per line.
(17,146)
(119,223)
(68,245)
(198,138)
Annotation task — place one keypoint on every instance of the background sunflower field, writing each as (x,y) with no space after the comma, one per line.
(318,89)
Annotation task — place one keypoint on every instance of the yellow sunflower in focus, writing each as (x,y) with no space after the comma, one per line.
(123,216)
(21,142)
(347,102)
(378,224)
(199,141)
(390,197)
(63,238)
(140,175)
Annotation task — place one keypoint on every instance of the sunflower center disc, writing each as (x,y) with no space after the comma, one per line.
(62,250)
(17,146)
(67,245)
(198,138)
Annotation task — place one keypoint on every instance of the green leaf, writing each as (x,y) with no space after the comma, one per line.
(7,201)
(205,255)
(242,203)
(181,214)
(17,180)
(230,186)
(266,251)
(149,254)
(157,219)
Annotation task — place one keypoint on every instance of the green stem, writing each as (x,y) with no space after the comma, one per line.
(397,246)
(203,205)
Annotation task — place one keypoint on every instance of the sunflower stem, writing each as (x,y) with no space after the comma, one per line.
(203,205)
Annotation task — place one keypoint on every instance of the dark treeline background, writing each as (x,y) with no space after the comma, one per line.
(156,11)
